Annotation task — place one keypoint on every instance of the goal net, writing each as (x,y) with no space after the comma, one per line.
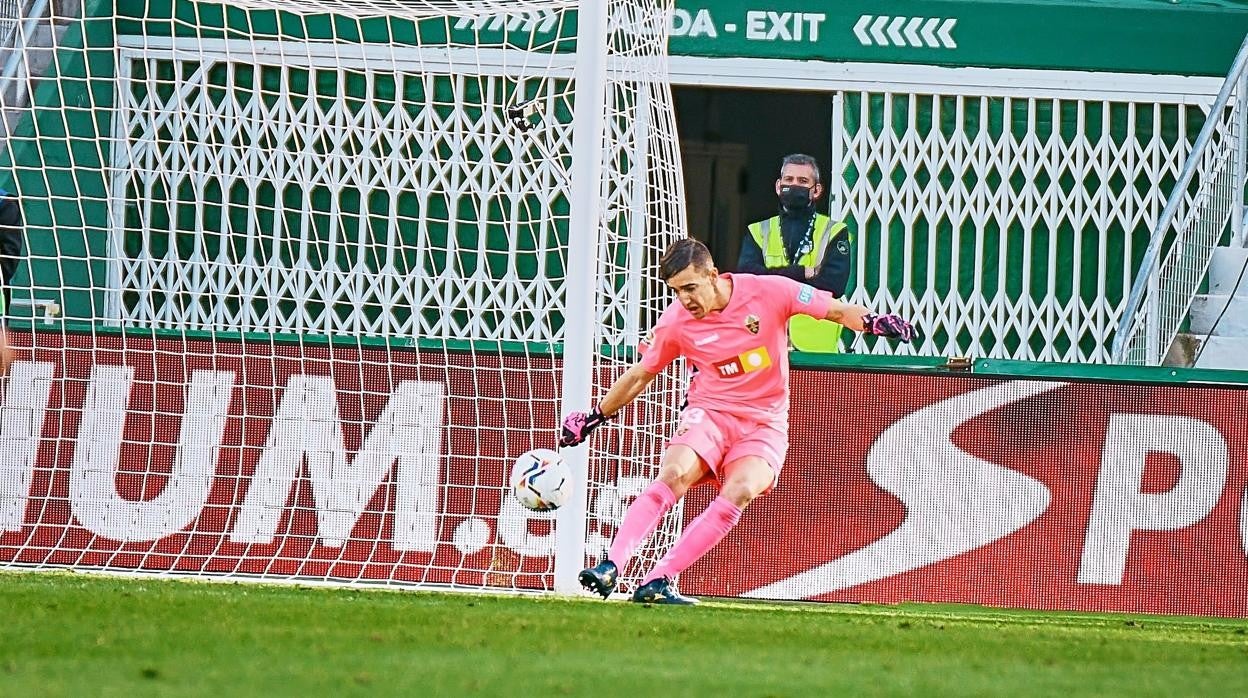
(302,279)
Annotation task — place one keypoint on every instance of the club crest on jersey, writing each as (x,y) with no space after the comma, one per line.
(805,294)
(743,363)
(646,342)
(751,323)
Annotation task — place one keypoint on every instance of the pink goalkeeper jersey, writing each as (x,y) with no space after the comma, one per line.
(741,352)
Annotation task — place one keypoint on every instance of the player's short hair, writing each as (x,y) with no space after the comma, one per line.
(800,159)
(682,254)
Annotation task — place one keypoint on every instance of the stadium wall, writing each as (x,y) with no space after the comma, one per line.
(948,165)
(1009,485)
(1029,486)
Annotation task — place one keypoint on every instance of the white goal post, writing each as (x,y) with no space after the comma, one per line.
(323,270)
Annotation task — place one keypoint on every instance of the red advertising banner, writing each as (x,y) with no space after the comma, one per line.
(1032,494)
(269,459)
(216,457)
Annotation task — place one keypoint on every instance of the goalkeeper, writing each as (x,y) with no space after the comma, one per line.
(734,431)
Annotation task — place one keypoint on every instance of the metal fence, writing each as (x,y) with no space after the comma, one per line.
(11,14)
(1204,210)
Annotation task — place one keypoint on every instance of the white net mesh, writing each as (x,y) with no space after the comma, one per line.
(294,291)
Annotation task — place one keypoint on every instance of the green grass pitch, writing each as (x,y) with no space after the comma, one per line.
(79,635)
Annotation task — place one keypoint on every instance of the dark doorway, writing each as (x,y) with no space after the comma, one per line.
(732,142)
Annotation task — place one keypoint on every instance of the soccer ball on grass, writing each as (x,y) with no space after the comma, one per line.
(541,480)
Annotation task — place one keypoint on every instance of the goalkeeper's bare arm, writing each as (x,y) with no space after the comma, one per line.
(625,389)
(6,353)
(578,425)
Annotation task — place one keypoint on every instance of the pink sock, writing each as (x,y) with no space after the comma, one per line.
(640,520)
(699,537)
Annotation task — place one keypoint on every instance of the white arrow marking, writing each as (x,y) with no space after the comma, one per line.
(929,32)
(894,31)
(955,502)
(548,21)
(912,36)
(945,28)
(477,23)
(860,30)
(877,30)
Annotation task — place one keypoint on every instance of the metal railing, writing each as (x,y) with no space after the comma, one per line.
(19,22)
(10,15)
(1207,197)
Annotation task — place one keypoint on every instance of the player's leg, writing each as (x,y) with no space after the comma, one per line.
(682,468)
(752,467)
(745,479)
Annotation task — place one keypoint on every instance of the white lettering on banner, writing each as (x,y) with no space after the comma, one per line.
(21,424)
(955,502)
(513,528)
(93,492)
(1119,507)
(813,20)
(1243,523)
(693,25)
(306,425)
(756,25)
(766,25)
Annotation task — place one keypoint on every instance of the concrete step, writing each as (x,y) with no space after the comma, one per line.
(1224,352)
(1232,310)
(1219,319)
(1226,268)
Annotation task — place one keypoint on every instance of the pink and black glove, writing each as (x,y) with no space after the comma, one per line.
(578,426)
(890,326)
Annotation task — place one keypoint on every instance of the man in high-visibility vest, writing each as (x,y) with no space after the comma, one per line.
(803,245)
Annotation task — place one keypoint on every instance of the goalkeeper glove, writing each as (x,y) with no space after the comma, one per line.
(890,326)
(578,426)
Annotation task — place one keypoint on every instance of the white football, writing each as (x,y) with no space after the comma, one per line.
(541,480)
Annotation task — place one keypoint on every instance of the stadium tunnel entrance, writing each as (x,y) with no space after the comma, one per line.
(732,141)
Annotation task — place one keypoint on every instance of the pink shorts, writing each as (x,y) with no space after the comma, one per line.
(720,438)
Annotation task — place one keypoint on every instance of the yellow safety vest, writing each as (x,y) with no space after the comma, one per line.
(806,333)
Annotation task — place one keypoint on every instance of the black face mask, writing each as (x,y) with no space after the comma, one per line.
(794,198)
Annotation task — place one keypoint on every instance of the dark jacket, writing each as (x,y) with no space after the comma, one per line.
(11,241)
(795,230)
